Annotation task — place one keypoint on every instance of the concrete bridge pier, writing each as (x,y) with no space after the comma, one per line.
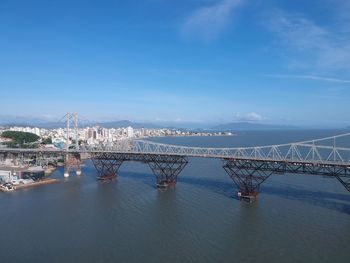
(247,176)
(3,157)
(166,168)
(66,171)
(107,164)
(14,158)
(72,161)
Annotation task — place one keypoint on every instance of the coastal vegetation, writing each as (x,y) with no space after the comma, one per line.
(20,139)
(47,141)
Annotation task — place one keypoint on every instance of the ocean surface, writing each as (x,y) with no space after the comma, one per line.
(297,218)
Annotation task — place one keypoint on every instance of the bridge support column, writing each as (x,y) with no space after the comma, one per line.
(344,180)
(247,176)
(15,159)
(72,161)
(2,158)
(166,168)
(107,164)
(78,166)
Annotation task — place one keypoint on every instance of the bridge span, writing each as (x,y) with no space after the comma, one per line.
(248,167)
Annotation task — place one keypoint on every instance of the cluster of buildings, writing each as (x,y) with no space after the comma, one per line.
(13,175)
(21,175)
(97,134)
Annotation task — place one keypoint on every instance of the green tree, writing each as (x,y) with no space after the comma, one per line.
(47,141)
(19,139)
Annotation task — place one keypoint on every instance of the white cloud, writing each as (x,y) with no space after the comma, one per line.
(316,47)
(250,117)
(253,116)
(308,77)
(209,21)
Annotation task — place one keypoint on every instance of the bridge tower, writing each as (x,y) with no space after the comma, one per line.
(72,160)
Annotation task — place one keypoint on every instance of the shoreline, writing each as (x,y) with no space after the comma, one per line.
(169,136)
(38,183)
(42,182)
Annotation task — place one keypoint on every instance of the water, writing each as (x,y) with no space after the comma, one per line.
(297,218)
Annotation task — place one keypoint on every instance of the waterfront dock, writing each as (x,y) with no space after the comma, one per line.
(36,183)
(33,184)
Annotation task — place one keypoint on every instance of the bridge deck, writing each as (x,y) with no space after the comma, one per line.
(247,166)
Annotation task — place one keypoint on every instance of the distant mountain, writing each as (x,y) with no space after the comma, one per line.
(19,121)
(246,126)
(50,125)
(10,121)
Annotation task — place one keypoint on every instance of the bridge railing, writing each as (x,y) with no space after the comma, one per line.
(331,150)
(321,151)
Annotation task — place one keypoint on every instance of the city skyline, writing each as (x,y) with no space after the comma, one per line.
(211,61)
(235,125)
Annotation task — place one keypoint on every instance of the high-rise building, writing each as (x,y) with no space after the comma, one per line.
(129,132)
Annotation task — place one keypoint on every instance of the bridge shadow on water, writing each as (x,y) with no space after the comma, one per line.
(145,178)
(329,200)
(223,188)
(333,201)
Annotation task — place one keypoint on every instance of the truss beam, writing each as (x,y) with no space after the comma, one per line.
(247,176)
(107,164)
(344,180)
(166,168)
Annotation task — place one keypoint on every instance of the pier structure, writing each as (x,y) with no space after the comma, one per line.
(165,168)
(72,161)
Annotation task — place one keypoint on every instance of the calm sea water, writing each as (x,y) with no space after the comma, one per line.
(297,218)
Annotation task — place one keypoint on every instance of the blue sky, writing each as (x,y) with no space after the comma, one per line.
(204,61)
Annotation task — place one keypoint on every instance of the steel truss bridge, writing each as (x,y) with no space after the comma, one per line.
(248,167)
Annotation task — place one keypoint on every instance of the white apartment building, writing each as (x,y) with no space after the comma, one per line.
(129,132)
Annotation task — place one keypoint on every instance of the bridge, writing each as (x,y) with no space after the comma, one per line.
(248,167)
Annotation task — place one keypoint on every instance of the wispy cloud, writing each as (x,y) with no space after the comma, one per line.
(250,117)
(308,77)
(315,46)
(181,71)
(208,22)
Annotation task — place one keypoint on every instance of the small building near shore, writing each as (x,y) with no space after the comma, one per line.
(18,175)
(5,176)
(34,173)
